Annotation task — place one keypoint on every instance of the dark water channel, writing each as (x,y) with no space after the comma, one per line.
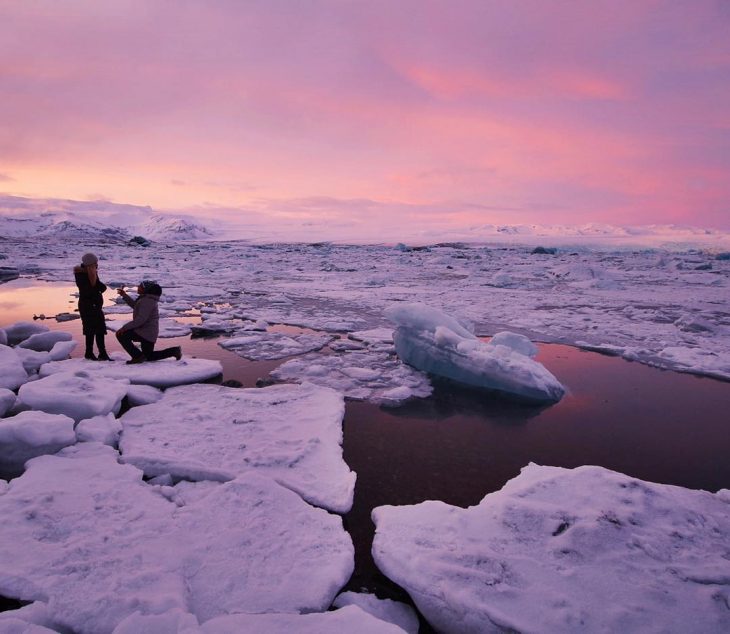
(459,445)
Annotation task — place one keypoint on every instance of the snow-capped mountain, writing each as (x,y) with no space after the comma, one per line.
(77,227)
(161,227)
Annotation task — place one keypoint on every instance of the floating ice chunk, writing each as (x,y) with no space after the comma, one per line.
(7,400)
(292,433)
(76,394)
(502,280)
(432,345)
(44,341)
(360,375)
(143,395)
(17,626)
(161,374)
(12,372)
(21,330)
(214,327)
(274,345)
(689,323)
(400,614)
(33,360)
(30,616)
(543,554)
(31,434)
(103,429)
(518,343)
(350,619)
(85,534)
(3,337)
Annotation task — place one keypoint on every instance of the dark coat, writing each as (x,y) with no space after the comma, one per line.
(90,303)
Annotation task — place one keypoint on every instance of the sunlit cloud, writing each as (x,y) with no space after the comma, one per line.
(563,112)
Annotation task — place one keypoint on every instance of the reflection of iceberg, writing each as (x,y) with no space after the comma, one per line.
(434,342)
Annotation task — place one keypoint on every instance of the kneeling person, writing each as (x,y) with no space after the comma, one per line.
(145,325)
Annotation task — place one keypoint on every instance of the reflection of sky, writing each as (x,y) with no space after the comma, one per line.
(373,113)
(21,299)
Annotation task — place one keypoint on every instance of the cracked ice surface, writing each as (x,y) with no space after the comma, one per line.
(561,550)
(291,433)
(88,537)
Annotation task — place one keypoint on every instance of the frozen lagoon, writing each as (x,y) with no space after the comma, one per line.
(642,429)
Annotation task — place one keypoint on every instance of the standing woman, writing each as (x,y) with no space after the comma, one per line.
(90,303)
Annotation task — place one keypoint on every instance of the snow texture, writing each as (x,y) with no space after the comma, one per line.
(30,434)
(87,536)
(292,433)
(33,360)
(161,374)
(76,394)
(561,550)
(436,343)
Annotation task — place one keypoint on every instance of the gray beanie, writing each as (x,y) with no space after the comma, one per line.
(88,259)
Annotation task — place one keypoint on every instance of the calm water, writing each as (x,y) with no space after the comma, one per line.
(459,445)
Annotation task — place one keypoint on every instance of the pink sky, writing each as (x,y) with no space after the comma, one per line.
(373,112)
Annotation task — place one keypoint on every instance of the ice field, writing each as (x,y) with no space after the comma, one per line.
(152,501)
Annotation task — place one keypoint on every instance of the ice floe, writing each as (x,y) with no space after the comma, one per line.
(103,429)
(44,341)
(400,614)
(7,400)
(85,535)
(436,343)
(352,620)
(30,434)
(161,374)
(76,394)
(22,330)
(360,375)
(561,550)
(274,345)
(12,371)
(33,360)
(292,433)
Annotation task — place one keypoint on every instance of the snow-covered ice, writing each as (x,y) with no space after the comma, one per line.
(12,372)
(292,433)
(7,400)
(30,434)
(103,429)
(360,375)
(22,330)
(78,394)
(437,343)
(400,614)
(274,345)
(352,620)
(87,536)
(561,550)
(161,374)
(44,341)
(33,360)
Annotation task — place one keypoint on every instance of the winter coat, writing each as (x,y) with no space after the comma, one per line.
(145,316)
(90,303)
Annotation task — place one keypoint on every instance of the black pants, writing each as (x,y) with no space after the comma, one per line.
(148,347)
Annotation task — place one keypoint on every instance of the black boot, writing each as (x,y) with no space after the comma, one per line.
(90,348)
(90,356)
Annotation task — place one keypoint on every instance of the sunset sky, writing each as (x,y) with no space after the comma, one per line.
(373,113)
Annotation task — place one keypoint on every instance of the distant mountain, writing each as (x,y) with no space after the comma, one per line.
(164,228)
(78,227)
